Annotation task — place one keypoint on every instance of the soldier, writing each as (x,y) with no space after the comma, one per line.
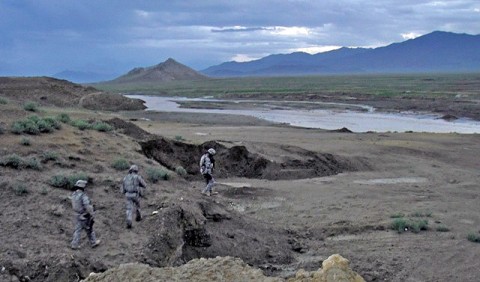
(84,215)
(132,187)
(207,163)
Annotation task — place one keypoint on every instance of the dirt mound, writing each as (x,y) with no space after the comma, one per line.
(238,161)
(216,269)
(47,91)
(110,102)
(129,129)
(334,269)
(203,228)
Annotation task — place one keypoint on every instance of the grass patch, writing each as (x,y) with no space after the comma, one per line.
(121,164)
(473,237)
(81,124)
(2,130)
(402,225)
(67,182)
(421,214)
(49,156)
(25,141)
(180,171)
(20,189)
(63,117)
(96,125)
(391,85)
(17,162)
(397,215)
(156,174)
(13,161)
(35,125)
(32,163)
(179,138)
(3,101)
(102,126)
(30,106)
(442,228)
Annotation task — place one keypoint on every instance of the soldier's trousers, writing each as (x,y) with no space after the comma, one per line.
(133,205)
(209,181)
(81,223)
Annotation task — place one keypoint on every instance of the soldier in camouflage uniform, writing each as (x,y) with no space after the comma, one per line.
(84,215)
(132,187)
(207,163)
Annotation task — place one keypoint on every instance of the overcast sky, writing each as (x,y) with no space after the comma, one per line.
(43,37)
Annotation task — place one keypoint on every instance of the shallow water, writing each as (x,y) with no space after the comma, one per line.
(357,121)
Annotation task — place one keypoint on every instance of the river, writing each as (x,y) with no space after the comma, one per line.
(328,116)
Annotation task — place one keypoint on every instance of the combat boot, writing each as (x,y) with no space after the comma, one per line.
(97,242)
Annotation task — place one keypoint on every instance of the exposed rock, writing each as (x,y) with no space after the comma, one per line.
(335,269)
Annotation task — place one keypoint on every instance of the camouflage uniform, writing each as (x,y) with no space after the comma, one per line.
(84,215)
(132,188)
(207,163)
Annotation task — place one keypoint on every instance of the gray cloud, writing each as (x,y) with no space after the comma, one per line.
(45,37)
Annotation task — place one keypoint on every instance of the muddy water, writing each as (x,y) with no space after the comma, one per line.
(327,116)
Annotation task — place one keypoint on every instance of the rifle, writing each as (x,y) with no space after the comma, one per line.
(90,221)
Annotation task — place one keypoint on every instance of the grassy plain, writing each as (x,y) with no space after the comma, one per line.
(391,85)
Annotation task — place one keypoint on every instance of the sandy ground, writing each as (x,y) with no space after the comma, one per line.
(432,177)
(423,176)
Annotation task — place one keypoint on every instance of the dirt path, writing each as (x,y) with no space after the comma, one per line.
(431,177)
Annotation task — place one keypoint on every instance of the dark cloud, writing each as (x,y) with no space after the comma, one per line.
(48,36)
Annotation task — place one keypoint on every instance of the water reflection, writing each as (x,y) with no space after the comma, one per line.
(316,115)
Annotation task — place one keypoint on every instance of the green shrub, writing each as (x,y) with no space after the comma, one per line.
(49,156)
(63,117)
(30,127)
(44,191)
(80,124)
(44,127)
(17,128)
(180,171)
(53,123)
(30,106)
(3,101)
(473,237)
(179,138)
(13,161)
(34,125)
(25,142)
(120,164)
(442,228)
(401,225)
(156,174)
(32,164)
(68,182)
(102,126)
(60,181)
(20,189)
(417,225)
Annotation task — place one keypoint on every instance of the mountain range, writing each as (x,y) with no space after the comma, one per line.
(434,52)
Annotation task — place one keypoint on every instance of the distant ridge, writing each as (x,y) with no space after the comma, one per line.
(166,71)
(434,52)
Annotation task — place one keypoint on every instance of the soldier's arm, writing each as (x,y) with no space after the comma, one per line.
(142,182)
(88,205)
